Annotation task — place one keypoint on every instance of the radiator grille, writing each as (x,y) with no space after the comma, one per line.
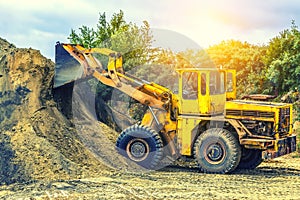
(250,113)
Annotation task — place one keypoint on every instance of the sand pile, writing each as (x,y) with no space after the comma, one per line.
(37,141)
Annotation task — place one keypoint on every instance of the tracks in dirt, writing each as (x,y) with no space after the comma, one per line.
(272,180)
(260,171)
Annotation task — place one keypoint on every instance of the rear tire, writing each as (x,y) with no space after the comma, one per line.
(217,151)
(251,158)
(141,145)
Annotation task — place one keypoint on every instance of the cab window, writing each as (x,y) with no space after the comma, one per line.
(203,84)
(217,83)
(229,82)
(190,85)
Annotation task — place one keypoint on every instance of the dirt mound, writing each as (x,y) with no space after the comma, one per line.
(37,141)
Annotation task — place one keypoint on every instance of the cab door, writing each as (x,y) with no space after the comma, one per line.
(188,92)
(217,92)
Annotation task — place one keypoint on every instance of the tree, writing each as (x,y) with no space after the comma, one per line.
(246,59)
(283,60)
(132,41)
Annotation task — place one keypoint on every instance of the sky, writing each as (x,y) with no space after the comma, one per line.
(40,24)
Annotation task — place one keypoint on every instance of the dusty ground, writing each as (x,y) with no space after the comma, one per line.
(279,179)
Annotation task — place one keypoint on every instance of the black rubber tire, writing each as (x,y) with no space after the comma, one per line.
(142,145)
(250,159)
(217,151)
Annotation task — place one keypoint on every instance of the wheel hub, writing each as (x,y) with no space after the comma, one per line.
(215,152)
(138,149)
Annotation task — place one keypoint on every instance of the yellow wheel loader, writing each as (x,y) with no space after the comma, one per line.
(203,122)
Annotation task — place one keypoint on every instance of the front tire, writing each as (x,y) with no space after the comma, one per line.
(217,151)
(141,145)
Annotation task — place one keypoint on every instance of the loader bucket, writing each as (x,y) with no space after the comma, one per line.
(67,68)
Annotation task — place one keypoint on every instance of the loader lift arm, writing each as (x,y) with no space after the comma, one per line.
(147,93)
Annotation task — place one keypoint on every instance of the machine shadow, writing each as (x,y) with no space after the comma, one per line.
(265,171)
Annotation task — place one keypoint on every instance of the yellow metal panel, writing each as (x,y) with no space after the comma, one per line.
(190,106)
(217,103)
(179,134)
(148,119)
(204,99)
(187,131)
(251,105)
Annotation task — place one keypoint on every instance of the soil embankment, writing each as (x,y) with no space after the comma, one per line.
(37,140)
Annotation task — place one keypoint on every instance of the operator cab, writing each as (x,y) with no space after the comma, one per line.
(202,91)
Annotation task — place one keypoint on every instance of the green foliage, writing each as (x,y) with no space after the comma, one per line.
(132,41)
(296,107)
(90,38)
(195,59)
(86,37)
(246,59)
(283,59)
(135,45)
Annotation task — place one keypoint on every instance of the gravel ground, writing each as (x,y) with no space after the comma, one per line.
(277,179)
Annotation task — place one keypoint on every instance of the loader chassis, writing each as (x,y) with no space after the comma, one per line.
(203,122)
(268,126)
